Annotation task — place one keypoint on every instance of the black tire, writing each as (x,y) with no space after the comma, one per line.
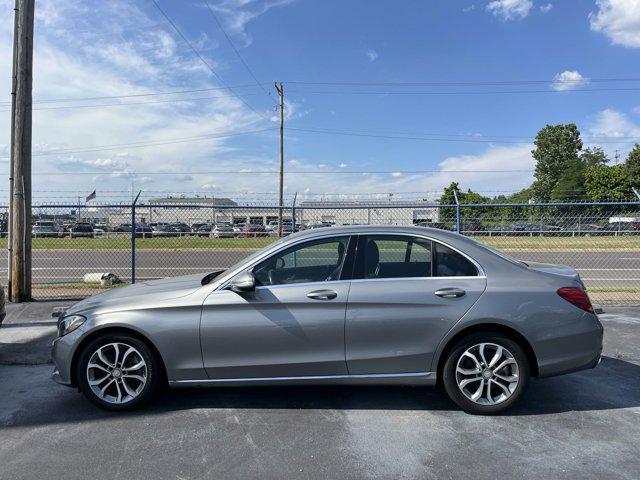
(153,372)
(449,378)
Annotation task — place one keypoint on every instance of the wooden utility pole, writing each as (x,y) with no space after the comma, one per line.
(21,153)
(280,89)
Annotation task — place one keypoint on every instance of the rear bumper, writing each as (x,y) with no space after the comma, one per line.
(574,347)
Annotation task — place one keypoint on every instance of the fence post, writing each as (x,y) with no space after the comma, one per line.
(293,213)
(455,195)
(133,238)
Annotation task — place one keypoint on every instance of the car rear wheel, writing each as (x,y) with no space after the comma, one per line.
(118,372)
(486,373)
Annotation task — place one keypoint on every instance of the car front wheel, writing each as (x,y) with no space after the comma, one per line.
(486,373)
(118,372)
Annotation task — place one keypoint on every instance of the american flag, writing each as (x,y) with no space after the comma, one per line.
(91,196)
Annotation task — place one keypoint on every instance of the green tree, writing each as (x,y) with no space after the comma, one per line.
(557,146)
(570,183)
(604,183)
(633,166)
(593,156)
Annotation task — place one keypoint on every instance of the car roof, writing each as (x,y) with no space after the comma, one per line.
(391,229)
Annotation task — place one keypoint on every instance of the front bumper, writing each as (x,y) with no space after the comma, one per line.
(62,351)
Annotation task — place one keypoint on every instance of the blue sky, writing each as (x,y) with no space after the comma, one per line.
(86,49)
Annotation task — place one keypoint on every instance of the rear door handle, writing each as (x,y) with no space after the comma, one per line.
(450,292)
(322,295)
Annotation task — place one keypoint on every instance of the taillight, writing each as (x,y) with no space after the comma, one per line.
(576,296)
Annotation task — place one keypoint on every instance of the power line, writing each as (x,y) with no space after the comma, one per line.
(460,84)
(174,100)
(147,144)
(442,134)
(462,92)
(425,138)
(234,48)
(202,59)
(314,172)
(148,94)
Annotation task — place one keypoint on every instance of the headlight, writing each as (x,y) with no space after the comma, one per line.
(69,324)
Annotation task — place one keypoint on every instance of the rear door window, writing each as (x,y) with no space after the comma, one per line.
(449,263)
(394,256)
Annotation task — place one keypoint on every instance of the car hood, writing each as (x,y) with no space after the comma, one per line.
(143,292)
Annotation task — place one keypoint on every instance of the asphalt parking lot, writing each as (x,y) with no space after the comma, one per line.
(584,426)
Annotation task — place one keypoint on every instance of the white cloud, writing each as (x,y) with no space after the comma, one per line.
(612,123)
(343,165)
(510,9)
(619,20)
(396,174)
(568,80)
(236,14)
(546,7)
(371,54)
(108,53)
(294,162)
(469,8)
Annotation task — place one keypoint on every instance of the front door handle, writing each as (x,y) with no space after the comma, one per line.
(322,295)
(450,292)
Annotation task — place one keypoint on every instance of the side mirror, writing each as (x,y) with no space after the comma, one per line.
(244,282)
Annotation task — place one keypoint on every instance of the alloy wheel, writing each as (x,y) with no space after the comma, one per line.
(487,374)
(117,373)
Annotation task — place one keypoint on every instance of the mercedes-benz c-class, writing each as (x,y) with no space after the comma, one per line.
(352,304)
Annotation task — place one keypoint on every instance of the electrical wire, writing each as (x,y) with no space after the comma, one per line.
(134,95)
(429,139)
(202,59)
(147,144)
(314,172)
(460,84)
(462,92)
(246,66)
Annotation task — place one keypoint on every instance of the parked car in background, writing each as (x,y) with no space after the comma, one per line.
(123,227)
(204,230)
(81,229)
(196,226)
(473,227)
(163,230)
(44,228)
(254,230)
(364,305)
(623,228)
(223,230)
(143,230)
(318,225)
(180,227)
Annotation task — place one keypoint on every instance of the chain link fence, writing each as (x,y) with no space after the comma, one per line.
(78,251)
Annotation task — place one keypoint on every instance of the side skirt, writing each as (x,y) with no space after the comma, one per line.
(417,378)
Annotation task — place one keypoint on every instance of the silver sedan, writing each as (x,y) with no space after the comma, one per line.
(358,304)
